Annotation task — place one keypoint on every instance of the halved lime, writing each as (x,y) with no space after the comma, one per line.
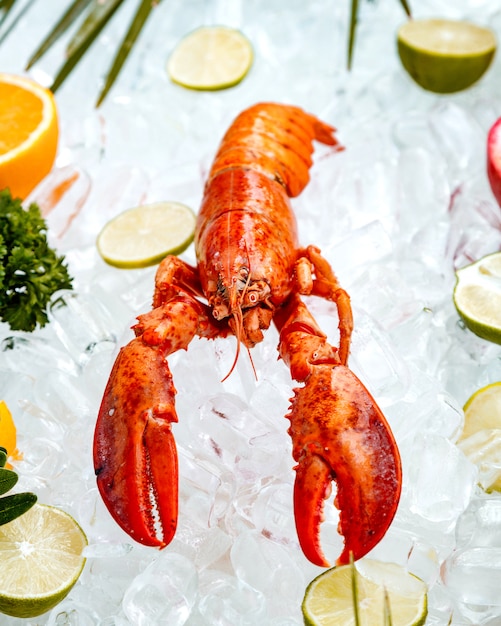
(41,560)
(210,58)
(329,598)
(481,437)
(494,159)
(477,296)
(144,235)
(445,56)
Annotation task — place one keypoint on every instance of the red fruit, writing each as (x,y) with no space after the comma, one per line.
(494,159)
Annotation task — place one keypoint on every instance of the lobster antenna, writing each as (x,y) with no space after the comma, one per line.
(238,317)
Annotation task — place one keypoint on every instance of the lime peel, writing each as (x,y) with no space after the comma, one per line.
(480,440)
(328,599)
(42,558)
(477,297)
(211,58)
(144,235)
(445,56)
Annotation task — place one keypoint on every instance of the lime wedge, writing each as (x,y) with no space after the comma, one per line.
(445,56)
(481,437)
(144,235)
(41,556)
(477,297)
(329,599)
(494,159)
(210,58)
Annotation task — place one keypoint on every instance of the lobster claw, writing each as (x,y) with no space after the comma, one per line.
(339,432)
(135,455)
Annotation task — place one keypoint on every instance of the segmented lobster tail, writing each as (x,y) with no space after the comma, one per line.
(276,140)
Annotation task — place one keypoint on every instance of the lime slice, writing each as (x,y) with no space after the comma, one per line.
(477,296)
(329,598)
(480,440)
(41,557)
(144,235)
(494,159)
(210,58)
(445,56)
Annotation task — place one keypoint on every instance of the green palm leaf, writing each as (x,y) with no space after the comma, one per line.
(353,26)
(139,20)
(100,14)
(67,19)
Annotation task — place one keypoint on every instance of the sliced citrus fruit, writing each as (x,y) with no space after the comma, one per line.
(29,134)
(481,437)
(41,556)
(494,159)
(477,296)
(445,56)
(8,435)
(330,598)
(210,58)
(144,235)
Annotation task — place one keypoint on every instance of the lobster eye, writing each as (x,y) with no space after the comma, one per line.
(253,298)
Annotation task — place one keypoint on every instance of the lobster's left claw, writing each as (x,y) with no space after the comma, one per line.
(339,432)
(135,455)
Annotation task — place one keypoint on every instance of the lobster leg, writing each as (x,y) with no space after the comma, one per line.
(339,433)
(135,456)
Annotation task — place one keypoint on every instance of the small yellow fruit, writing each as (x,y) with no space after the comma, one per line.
(330,599)
(477,297)
(144,235)
(210,58)
(41,557)
(445,56)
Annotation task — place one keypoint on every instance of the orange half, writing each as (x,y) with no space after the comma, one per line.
(8,437)
(29,134)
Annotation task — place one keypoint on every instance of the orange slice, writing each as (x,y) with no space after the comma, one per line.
(29,134)
(8,439)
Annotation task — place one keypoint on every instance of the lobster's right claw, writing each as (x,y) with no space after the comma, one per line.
(339,432)
(135,455)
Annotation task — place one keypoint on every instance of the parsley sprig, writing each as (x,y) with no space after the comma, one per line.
(30,270)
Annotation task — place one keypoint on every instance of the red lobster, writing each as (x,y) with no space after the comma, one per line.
(251,270)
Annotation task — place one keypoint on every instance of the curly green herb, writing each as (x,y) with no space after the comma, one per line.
(30,271)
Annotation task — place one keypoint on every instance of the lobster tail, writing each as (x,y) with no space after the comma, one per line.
(276,140)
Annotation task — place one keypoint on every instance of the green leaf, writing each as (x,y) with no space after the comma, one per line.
(387,621)
(5,7)
(352,31)
(67,19)
(353,26)
(8,479)
(101,13)
(406,7)
(15,505)
(30,270)
(354,590)
(135,28)
(3,456)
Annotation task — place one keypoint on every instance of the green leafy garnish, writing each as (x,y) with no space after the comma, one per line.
(97,15)
(354,21)
(30,270)
(14,505)
(8,479)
